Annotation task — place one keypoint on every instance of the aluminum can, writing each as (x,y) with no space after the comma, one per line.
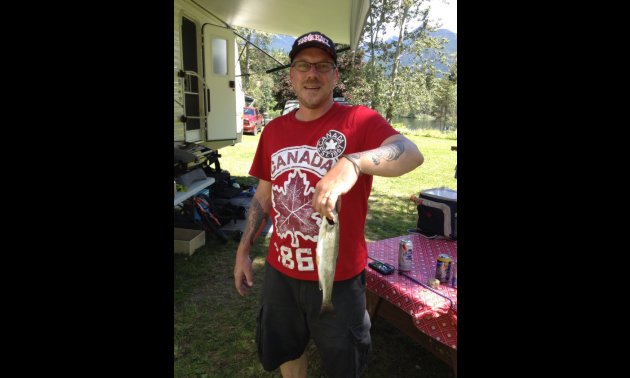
(405,255)
(443,268)
(454,273)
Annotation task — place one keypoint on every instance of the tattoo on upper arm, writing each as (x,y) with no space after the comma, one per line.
(256,218)
(388,152)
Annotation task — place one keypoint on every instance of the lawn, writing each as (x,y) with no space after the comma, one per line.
(214,326)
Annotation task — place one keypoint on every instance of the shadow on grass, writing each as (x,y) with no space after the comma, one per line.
(389,216)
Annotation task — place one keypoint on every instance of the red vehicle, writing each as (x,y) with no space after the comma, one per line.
(253,120)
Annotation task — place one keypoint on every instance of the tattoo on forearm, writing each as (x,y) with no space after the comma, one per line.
(388,152)
(256,218)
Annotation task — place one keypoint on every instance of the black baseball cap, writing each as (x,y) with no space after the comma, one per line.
(313,39)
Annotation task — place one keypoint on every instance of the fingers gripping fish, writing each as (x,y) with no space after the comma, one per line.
(326,256)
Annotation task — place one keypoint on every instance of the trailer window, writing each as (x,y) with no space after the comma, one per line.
(219,56)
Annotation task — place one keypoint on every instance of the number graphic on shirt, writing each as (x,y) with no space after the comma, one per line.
(304,259)
(287,257)
(302,255)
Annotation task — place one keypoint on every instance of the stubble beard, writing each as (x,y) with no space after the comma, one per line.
(314,102)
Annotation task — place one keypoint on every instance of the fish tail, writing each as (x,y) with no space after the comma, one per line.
(327,308)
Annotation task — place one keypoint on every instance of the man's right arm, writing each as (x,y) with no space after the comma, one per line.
(257,216)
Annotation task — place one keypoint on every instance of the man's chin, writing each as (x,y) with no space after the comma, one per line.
(312,102)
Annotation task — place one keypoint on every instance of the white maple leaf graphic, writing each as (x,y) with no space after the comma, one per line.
(295,216)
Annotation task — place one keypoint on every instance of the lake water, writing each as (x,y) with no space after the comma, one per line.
(417,123)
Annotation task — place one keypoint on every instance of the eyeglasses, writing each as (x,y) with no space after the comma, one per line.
(321,67)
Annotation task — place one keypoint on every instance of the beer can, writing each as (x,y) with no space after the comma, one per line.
(405,251)
(454,273)
(443,268)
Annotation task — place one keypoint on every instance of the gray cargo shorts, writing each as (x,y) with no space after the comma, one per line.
(289,317)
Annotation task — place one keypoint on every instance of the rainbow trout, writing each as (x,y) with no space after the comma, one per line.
(326,256)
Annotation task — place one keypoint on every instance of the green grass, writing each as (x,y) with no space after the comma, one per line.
(215,327)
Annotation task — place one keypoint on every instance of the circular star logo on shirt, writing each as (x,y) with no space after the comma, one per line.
(331,145)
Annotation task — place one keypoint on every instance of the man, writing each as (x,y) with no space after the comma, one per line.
(306,161)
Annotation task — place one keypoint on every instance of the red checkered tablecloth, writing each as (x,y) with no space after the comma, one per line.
(431,313)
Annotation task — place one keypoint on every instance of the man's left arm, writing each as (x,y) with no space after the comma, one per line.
(396,156)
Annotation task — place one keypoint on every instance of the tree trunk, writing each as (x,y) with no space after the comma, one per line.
(399,47)
(249,38)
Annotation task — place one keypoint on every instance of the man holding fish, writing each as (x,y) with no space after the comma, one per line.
(315,167)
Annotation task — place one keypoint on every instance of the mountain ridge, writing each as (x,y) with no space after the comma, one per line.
(285,42)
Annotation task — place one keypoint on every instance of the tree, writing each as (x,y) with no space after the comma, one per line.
(282,90)
(446,102)
(254,64)
(405,11)
(374,29)
(353,83)
(391,89)
(399,77)
(248,63)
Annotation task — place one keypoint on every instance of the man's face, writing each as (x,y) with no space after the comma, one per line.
(313,89)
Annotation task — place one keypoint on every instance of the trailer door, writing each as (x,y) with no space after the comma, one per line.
(221,95)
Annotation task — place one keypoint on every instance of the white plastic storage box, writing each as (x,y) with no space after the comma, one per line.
(187,241)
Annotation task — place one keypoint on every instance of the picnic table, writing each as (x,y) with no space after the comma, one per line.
(426,316)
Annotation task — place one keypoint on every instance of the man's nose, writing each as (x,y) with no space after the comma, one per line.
(312,71)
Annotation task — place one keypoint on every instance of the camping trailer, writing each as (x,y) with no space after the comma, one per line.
(208,97)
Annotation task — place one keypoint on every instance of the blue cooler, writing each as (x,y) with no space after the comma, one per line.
(437,212)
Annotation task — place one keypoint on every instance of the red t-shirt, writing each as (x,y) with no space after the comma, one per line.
(294,155)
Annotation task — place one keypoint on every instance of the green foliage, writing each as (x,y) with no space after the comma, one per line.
(398,90)
(445,102)
(372,75)
(353,83)
(282,90)
(260,88)
(254,64)
(452,75)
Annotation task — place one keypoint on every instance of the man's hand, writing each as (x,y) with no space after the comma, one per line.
(243,274)
(256,219)
(339,180)
(396,156)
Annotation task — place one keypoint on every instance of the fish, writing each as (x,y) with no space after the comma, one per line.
(326,257)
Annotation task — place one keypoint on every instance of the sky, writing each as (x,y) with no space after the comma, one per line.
(447,15)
